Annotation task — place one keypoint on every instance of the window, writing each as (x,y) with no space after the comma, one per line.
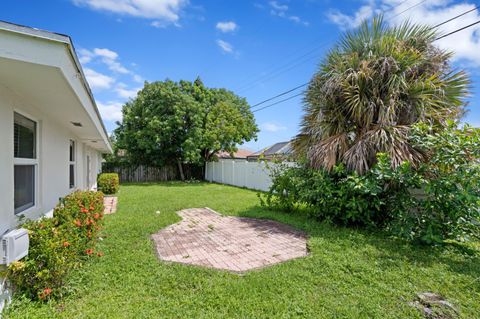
(25,162)
(72,164)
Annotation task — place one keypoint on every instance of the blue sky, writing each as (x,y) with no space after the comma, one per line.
(256,48)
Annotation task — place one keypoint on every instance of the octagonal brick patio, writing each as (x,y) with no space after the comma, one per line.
(206,238)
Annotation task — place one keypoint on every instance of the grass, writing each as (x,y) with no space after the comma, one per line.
(349,273)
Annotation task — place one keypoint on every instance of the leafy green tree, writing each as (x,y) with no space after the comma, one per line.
(369,91)
(174,123)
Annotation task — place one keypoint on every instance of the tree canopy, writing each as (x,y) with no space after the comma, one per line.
(369,91)
(183,122)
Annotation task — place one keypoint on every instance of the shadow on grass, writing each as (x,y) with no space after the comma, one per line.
(166,184)
(457,257)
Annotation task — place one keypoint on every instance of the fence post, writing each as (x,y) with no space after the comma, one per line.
(222,180)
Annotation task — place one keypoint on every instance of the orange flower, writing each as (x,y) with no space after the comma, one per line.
(77,223)
(84,210)
(89,251)
(66,244)
(47,291)
(99,254)
(96,216)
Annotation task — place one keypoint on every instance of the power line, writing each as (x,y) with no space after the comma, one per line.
(456,17)
(278,102)
(294,63)
(281,94)
(409,8)
(302,85)
(458,30)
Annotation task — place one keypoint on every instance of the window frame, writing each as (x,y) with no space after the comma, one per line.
(20,161)
(73,163)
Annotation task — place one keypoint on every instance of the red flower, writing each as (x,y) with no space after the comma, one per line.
(77,223)
(45,293)
(66,244)
(84,210)
(89,251)
(96,216)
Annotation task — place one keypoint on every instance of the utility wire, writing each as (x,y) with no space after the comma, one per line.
(295,63)
(291,90)
(278,95)
(458,30)
(456,17)
(409,8)
(278,102)
(436,26)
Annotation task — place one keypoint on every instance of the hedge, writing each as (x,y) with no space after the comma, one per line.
(108,183)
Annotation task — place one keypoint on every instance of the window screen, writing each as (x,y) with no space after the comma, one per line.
(24,186)
(24,135)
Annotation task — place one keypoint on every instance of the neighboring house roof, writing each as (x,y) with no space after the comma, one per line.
(24,62)
(278,149)
(241,153)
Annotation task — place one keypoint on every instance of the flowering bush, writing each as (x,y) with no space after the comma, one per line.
(108,183)
(58,245)
(81,213)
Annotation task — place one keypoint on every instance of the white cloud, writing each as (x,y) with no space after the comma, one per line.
(281,10)
(85,56)
(465,44)
(127,93)
(98,81)
(106,56)
(162,10)
(111,111)
(106,53)
(225,46)
(272,127)
(110,57)
(278,7)
(137,78)
(162,24)
(227,26)
(298,20)
(349,22)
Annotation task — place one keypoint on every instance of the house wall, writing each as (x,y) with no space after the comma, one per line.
(53,160)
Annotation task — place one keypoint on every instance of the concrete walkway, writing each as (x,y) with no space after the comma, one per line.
(206,238)
(110,204)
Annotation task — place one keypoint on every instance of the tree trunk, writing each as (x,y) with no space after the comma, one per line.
(180,169)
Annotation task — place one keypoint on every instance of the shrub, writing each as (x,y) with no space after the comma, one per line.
(58,245)
(108,183)
(386,197)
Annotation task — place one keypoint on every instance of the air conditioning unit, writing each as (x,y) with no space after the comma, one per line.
(14,246)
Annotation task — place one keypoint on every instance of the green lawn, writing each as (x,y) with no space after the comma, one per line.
(349,274)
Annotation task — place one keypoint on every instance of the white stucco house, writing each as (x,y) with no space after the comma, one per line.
(51,132)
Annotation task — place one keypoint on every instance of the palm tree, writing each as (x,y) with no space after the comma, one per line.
(370,89)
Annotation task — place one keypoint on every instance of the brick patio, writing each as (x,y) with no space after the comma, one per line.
(206,238)
(110,204)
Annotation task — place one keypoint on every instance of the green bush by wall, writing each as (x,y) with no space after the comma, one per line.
(108,183)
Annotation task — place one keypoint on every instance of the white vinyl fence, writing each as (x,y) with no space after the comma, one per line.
(238,172)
